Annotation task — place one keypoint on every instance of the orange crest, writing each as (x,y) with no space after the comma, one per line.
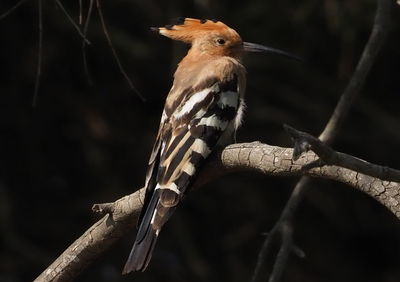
(188,30)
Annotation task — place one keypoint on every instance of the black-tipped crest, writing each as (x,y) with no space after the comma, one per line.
(180,21)
(189,29)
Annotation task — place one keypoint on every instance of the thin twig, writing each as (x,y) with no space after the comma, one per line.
(284,251)
(375,42)
(115,53)
(278,234)
(89,14)
(12,9)
(104,208)
(379,31)
(80,12)
(72,21)
(85,30)
(39,63)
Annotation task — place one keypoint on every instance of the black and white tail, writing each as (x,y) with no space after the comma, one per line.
(155,215)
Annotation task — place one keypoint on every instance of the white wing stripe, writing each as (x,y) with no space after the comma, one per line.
(189,168)
(214,121)
(171,187)
(199,146)
(196,98)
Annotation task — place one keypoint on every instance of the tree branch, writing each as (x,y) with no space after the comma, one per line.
(381,27)
(95,240)
(380,30)
(277,161)
(270,160)
(305,142)
(12,9)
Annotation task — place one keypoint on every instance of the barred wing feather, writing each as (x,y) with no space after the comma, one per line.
(188,134)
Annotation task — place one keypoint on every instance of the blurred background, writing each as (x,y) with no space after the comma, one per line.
(89,136)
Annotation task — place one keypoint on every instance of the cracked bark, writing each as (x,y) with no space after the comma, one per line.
(277,161)
(255,156)
(95,240)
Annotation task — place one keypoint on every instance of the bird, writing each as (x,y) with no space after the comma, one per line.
(202,111)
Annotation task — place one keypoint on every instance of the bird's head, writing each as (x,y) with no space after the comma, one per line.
(205,36)
(213,38)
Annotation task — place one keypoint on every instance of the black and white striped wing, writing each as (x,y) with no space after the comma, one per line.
(197,126)
(186,138)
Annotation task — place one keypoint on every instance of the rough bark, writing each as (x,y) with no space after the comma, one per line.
(270,160)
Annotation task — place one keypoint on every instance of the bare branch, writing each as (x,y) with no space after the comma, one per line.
(280,232)
(85,29)
(72,21)
(305,142)
(105,208)
(80,12)
(255,156)
(12,9)
(121,68)
(40,50)
(379,32)
(95,240)
(284,252)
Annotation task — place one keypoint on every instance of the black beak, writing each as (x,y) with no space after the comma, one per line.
(252,47)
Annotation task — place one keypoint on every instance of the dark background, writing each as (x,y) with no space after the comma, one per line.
(88,143)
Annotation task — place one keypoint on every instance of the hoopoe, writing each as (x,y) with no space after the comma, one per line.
(203,109)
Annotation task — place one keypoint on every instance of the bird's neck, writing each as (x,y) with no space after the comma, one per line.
(195,61)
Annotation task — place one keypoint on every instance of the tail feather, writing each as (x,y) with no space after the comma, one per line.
(154,217)
(141,252)
(146,238)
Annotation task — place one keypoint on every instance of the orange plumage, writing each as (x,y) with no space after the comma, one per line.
(202,111)
(194,31)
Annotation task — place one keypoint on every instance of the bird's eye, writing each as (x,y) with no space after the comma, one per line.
(220,41)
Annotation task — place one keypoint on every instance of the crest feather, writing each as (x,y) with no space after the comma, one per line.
(187,29)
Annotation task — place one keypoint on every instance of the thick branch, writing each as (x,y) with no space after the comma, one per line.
(96,239)
(305,142)
(255,156)
(273,160)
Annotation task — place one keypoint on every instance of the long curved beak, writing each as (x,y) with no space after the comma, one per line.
(252,47)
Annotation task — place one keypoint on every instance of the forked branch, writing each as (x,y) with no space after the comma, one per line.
(379,32)
(270,160)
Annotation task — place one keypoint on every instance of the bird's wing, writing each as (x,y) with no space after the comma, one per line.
(189,132)
(197,124)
